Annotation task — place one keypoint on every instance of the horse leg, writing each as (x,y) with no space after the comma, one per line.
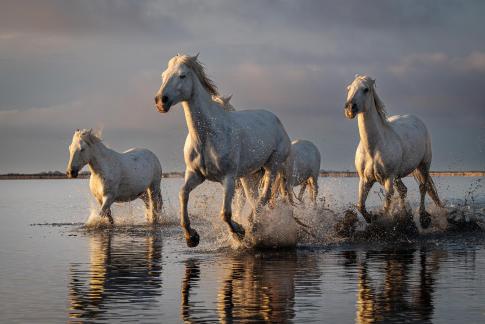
(226,212)
(239,195)
(282,187)
(105,208)
(314,190)
(302,191)
(364,188)
(421,174)
(269,177)
(155,196)
(250,187)
(192,180)
(148,208)
(389,187)
(402,190)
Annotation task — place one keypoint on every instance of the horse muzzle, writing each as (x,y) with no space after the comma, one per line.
(162,104)
(72,173)
(350,111)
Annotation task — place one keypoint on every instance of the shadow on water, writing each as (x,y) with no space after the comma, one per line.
(122,270)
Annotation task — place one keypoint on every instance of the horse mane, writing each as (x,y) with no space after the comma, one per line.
(195,65)
(370,83)
(89,136)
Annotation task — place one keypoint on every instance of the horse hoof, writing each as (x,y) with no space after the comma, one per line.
(425,220)
(193,239)
(238,232)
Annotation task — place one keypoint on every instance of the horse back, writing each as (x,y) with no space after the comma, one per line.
(414,138)
(140,166)
(261,134)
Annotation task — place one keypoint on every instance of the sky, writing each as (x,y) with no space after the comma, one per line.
(96,64)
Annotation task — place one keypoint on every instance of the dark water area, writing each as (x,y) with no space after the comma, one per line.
(54,269)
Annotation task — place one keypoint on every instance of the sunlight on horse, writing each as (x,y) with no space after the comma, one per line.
(222,146)
(117,177)
(389,149)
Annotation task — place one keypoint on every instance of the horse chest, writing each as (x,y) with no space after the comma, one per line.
(207,162)
(97,187)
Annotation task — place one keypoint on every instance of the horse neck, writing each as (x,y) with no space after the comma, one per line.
(100,158)
(372,128)
(201,114)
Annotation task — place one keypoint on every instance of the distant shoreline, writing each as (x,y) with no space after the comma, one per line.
(324,174)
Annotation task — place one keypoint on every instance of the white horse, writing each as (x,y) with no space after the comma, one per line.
(222,146)
(302,168)
(389,148)
(117,177)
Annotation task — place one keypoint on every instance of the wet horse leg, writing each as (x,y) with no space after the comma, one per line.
(402,190)
(105,208)
(192,180)
(389,187)
(156,201)
(226,212)
(364,188)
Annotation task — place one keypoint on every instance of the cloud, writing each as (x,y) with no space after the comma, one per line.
(475,61)
(73,64)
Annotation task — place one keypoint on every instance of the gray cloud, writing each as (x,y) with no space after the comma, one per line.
(65,65)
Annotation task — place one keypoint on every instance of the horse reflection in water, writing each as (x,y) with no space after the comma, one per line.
(122,269)
(405,294)
(254,288)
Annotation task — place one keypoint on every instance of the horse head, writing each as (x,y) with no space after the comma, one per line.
(80,151)
(360,96)
(178,81)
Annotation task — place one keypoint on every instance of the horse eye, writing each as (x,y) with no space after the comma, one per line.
(366,90)
(182,76)
(82,150)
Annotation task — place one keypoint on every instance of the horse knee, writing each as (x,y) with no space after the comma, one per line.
(226,216)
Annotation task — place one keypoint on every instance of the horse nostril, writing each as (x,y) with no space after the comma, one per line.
(157,98)
(164,99)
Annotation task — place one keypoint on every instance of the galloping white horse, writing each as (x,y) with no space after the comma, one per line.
(389,148)
(222,146)
(117,177)
(302,168)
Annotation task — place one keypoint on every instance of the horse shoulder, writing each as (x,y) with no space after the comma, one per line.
(97,186)
(192,156)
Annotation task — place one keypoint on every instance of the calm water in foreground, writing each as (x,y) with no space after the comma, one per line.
(54,270)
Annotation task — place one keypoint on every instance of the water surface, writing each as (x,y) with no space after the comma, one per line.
(59,271)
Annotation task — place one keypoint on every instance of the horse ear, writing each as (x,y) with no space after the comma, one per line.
(373,81)
(195,57)
(356,75)
(227,99)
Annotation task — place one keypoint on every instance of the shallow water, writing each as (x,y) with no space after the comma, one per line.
(52,269)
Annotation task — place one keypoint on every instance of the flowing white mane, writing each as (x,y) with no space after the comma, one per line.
(89,136)
(195,65)
(370,83)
